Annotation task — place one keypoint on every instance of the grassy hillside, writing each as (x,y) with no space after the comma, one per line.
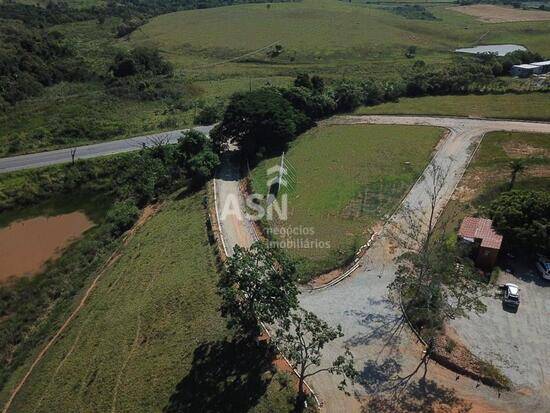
(534,106)
(151,337)
(221,50)
(348,179)
(323,34)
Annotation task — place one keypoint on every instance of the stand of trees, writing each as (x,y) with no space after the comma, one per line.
(523,218)
(258,286)
(31,59)
(264,121)
(140,73)
(140,176)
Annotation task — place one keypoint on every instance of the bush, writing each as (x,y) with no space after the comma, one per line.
(523,218)
(197,157)
(121,217)
(210,114)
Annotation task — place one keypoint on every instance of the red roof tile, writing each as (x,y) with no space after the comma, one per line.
(480,228)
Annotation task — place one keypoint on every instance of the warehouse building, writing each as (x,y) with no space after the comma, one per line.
(535,68)
(525,70)
(545,66)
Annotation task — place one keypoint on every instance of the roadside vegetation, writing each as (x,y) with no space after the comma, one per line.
(163,343)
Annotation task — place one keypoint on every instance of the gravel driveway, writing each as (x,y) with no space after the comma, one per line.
(359,303)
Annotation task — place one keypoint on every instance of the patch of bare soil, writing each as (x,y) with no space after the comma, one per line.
(326,278)
(476,179)
(498,14)
(523,150)
(26,246)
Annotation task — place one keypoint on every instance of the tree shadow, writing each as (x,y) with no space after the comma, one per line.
(225,376)
(422,396)
(378,377)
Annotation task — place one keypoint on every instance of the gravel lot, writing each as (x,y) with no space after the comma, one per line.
(517,342)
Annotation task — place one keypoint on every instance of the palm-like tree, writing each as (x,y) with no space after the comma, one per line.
(516,166)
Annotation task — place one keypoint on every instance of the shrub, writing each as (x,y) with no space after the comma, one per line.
(121,217)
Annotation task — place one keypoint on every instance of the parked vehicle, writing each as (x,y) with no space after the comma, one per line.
(543,267)
(511,295)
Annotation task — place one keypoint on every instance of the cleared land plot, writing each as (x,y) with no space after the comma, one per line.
(514,342)
(151,336)
(348,178)
(498,14)
(489,174)
(533,106)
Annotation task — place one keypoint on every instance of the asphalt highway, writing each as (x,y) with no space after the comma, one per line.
(36,160)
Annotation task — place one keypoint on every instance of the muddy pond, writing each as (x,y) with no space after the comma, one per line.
(31,236)
(26,245)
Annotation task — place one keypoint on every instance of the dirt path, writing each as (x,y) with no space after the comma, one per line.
(359,303)
(146,215)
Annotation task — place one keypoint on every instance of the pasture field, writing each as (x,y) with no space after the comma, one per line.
(489,174)
(499,14)
(219,51)
(348,178)
(533,106)
(151,336)
(320,35)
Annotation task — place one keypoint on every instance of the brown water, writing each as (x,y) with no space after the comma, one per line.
(25,246)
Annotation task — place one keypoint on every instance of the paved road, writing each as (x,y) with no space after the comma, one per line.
(360,302)
(36,160)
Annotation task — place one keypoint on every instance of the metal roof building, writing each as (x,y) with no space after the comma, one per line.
(545,66)
(525,70)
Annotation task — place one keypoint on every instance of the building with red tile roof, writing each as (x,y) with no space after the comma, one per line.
(486,241)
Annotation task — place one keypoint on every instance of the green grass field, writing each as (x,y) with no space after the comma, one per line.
(348,179)
(221,50)
(535,106)
(151,336)
(325,35)
(488,174)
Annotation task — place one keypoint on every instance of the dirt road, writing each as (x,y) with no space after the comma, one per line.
(372,325)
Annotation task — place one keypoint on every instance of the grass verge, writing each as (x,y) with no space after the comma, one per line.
(348,178)
(532,106)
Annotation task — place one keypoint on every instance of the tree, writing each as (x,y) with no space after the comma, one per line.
(259,122)
(436,281)
(197,157)
(348,96)
(257,286)
(516,166)
(523,218)
(301,337)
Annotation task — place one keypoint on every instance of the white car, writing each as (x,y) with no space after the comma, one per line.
(543,266)
(511,295)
